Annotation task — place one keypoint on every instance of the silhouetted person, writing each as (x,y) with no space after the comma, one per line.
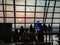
(32,29)
(45,29)
(37,25)
(32,37)
(26,29)
(50,31)
(24,36)
(16,36)
(21,30)
(41,34)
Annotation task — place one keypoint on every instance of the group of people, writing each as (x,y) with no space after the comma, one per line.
(25,36)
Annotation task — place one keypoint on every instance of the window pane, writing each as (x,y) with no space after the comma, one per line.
(49,15)
(40,9)
(55,26)
(48,20)
(56,15)
(28,25)
(1,14)
(19,25)
(29,8)
(57,9)
(51,3)
(9,14)
(10,8)
(20,20)
(0,1)
(57,3)
(56,20)
(29,14)
(40,3)
(20,8)
(40,20)
(30,2)
(1,20)
(39,14)
(9,1)
(47,3)
(29,20)
(19,14)
(50,10)
(9,20)
(20,2)
(1,7)
(12,25)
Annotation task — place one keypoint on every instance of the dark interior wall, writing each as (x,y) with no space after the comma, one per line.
(5,32)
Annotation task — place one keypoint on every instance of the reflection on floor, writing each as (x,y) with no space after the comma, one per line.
(21,43)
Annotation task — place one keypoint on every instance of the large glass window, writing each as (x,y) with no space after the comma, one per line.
(28,12)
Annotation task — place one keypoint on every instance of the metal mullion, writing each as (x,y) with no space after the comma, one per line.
(47,10)
(30,17)
(14,14)
(3,11)
(29,5)
(29,11)
(35,11)
(59,29)
(25,14)
(33,23)
(44,10)
(52,19)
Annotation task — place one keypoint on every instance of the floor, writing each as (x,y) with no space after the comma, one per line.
(54,42)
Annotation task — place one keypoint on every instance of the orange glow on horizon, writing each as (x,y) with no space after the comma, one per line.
(19,19)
